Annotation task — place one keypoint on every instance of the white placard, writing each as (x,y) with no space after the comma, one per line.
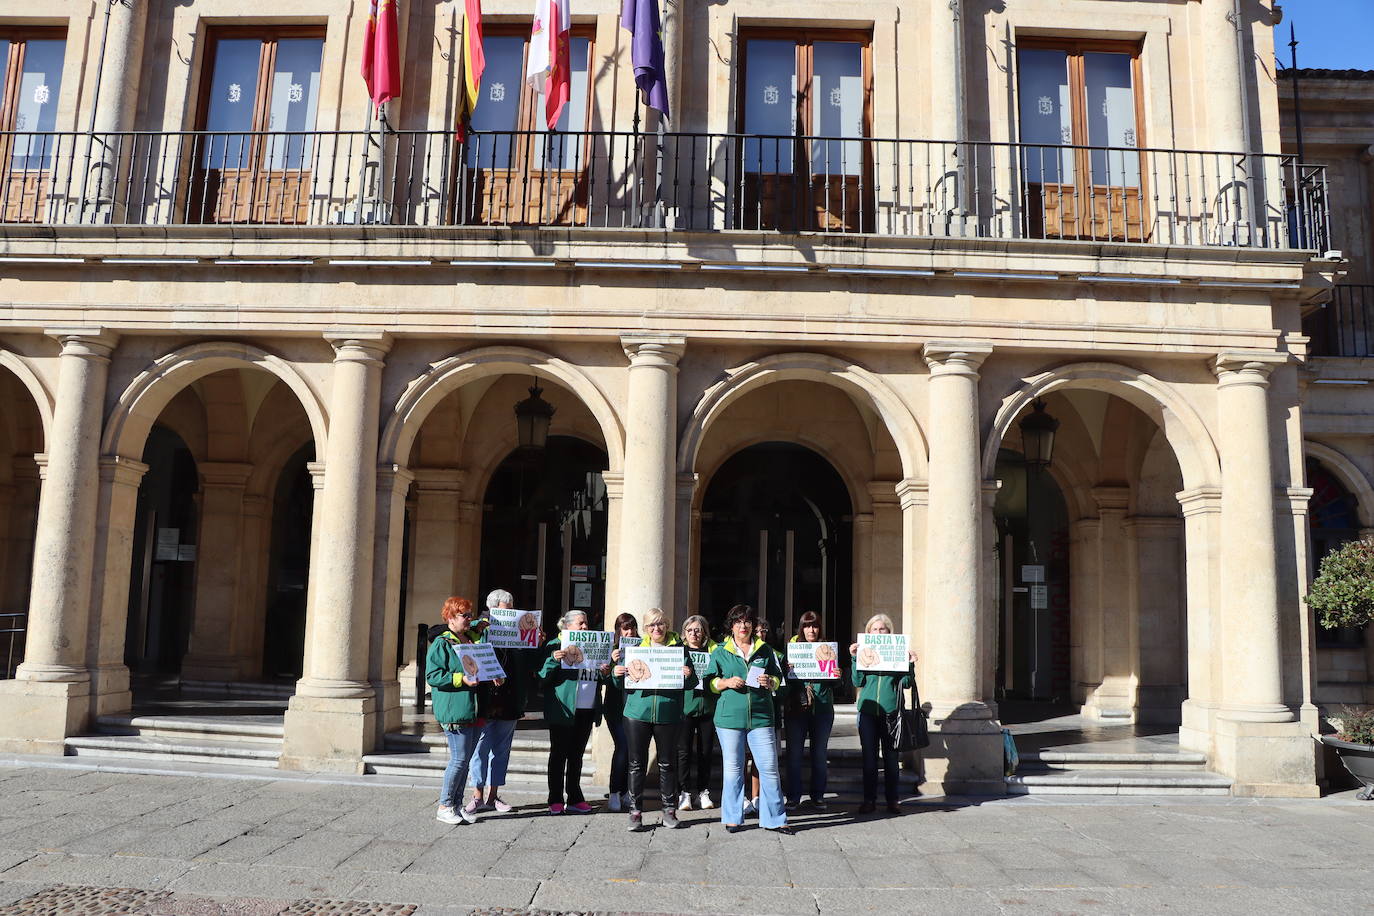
(587,649)
(700,660)
(755,677)
(582,594)
(1032,574)
(479,660)
(814,661)
(1039,597)
(653,668)
(513,629)
(166,544)
(882,652)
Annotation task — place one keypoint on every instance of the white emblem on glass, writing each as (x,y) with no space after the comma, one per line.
(770,95)
(21,121)
(1066,135)
(235,93)
(295,93)
(1104,106)
(1128,136)
(498,92)
(41,94)
(1046,105)
(836,97)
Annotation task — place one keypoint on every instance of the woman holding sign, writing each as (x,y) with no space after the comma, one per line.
(812,669)
(879,695)
(743,673)
(572,706)
(697,737)
(503,705)
(452,677)
(653,709)
(626,628)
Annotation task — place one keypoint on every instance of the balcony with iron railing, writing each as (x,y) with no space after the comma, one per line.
(675,182)
(1345,326)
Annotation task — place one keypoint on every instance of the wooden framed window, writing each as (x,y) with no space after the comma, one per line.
(805,110)
(517,170)
(259,97)
(1084,95)
(28,116)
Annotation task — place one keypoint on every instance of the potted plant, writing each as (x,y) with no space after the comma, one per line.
(1342,595)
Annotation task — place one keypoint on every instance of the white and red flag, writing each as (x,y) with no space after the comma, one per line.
(549,67)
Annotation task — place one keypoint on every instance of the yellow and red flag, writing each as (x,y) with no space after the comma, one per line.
(381,53)
(474,62)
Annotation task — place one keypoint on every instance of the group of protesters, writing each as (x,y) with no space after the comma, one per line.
(741,703)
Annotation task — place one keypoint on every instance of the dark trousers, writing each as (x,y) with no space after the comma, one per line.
(814,724)
(637,734)
(696,751)
(567,745)
(874,736)
(620,755)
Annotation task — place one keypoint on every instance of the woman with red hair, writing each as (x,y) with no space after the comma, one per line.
(454,694)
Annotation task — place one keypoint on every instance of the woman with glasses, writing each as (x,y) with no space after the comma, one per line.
(454,695)
(652,714)
(697,736)
(614,709)
(572,706)
(879,696)
(743,673)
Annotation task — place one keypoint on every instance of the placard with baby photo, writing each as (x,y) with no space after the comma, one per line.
(653,668)
(586,650)
(478,660)
(882,652)
(814,661)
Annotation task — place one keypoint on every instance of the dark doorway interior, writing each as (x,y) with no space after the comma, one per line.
(544,530)
(293,506)
(777,533)
(162,575)
(1333,520)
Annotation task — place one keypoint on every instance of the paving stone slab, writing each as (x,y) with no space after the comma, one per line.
(640,897)
(244,849)
(323,849)
(456,890)
(103,871)
(384,856)
(231,879)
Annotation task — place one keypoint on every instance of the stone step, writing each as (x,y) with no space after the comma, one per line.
(1118,782)
(202,750)
(534,767)
(1058,760)
(259,729)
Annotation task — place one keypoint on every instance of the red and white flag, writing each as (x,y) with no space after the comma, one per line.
(548,69)
(381,56)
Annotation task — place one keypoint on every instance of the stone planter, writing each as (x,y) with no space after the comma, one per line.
(1358,760)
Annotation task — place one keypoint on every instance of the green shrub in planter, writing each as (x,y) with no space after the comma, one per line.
(1342,595)
(1355,724)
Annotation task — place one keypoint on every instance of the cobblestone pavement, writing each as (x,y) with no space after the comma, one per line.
(75,840)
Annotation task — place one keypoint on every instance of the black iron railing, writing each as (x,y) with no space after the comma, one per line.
(677,181)
(12,629)
(1346,326)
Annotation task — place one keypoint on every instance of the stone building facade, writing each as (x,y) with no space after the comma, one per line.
(260,356)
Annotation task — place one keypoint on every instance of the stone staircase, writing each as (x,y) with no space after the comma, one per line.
(243,740)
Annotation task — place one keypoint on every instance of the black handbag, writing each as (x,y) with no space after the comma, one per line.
(908,727)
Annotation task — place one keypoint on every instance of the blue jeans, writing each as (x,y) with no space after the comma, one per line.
(460,739)
(874,736)
(816,726)
(620,755)
(491,754)
(762,743)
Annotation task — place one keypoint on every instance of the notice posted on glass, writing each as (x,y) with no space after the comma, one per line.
(479,661)
(512,629)
(814,661)
(654,668)
(586,650)
(882,652)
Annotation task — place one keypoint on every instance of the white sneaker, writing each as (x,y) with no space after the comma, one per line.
(613,802)
(704,802)
(751,806)
(469,817)
(684,801)
(447,815)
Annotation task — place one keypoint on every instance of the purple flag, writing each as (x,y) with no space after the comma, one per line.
(640,17)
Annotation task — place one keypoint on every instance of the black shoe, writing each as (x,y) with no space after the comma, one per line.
(819,804)
(894,808)
(867,807)
(784,830)
(733,828)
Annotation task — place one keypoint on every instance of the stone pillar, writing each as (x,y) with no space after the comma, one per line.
(48,699)
(116,516)
(1202,559)
(1226,117)
(393,483)
(23,518)
(1160,633)
(469,551)
(682,565)
(435,552)
(1113,697)
(120,67)
(967,756)
(645,562)
(863,577)
(1085,619)
(330,723)
(911,498)
(615,498)
(943,50)
(1258,742)
(316,469)
(216,651)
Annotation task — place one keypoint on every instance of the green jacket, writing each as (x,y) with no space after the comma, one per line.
(822,692)
(560,688)
(878,690)
(455,703)
(743,707)
(699,702)
(660,707)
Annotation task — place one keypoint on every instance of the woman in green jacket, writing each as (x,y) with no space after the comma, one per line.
(453,692)
(879,695)
(743,673)
(810,716)
(652,714)
(626,627)
(696,747)
(572,706)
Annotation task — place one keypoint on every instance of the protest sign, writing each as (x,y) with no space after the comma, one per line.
(882,652)
(587,649)
(700,660)
(653,668)
(478,660)
(512,629)
(814,661)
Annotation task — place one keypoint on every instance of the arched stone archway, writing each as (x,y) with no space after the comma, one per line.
(23,432)
(1349,474)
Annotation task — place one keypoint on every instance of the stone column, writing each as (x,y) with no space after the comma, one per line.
(1085,621)
(435,552)
(48,698)
(469,550)
(116,516)
(863,576)
(911,499)
(330,723)
(216,652)
(393,483)
(645,561)
(970,739)
(1258,743)
(1113,697)
(1160,634)
(1226,127)
(1202,549)
(120,63)
(23,519)
(683,567)
(943,50)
